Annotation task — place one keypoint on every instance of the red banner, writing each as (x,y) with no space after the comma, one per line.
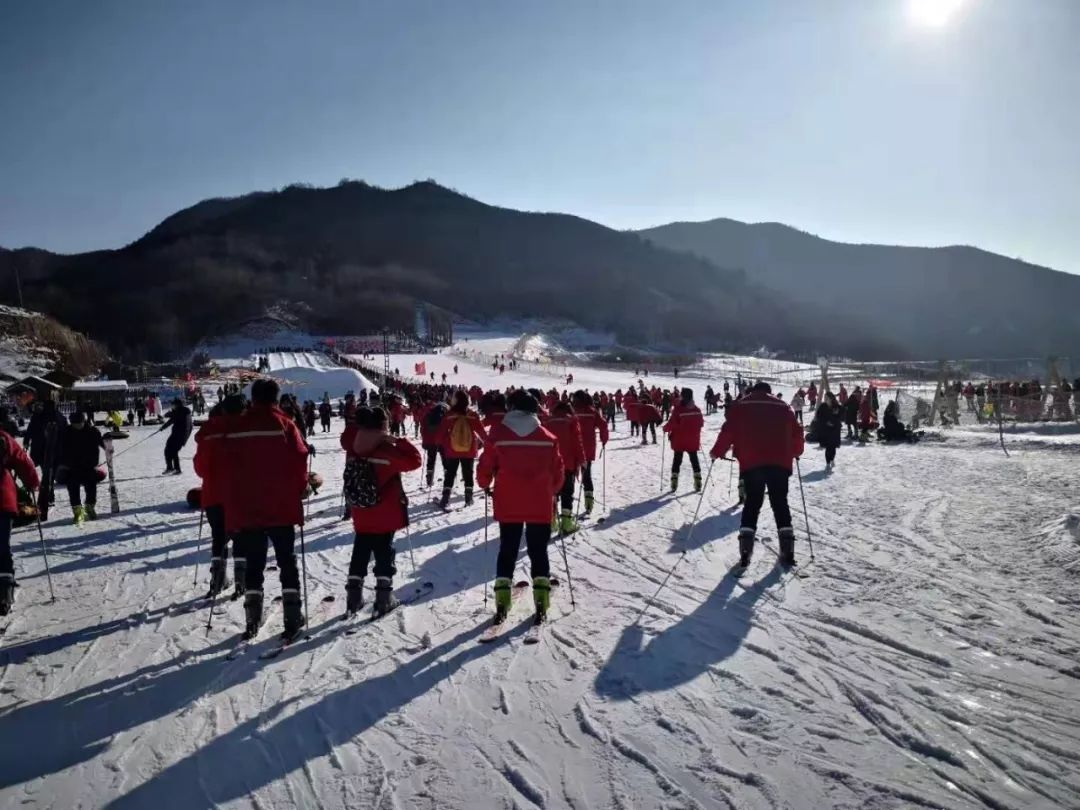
(421,369)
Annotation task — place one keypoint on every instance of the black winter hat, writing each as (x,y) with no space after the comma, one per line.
(523,401)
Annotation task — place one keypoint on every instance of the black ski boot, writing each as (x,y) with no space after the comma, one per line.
(430,478)
(354,595)
(294,614)
(7,593)
(253,613)
(239,575)
(218,582)
(746,546)
(787,547)
(468,496)
(385,601)
(444,501)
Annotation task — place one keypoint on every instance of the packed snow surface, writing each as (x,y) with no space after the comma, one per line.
(928,660)
(310,375)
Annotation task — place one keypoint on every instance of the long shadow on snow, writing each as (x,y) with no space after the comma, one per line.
(708,528)
(91,561)
(633,511)
(78,726)
(46,645)
(702,639)
(309,733)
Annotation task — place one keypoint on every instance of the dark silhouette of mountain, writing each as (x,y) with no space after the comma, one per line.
(954,302)
(356,258)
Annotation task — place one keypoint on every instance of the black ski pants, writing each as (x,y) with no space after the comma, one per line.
(172,453)
(537,537)
(676,462)
(77,480)
(219,538)
(610,418)
(7,565)
(645,427)
(566,494)
(586,477)
(379,545)
(830,454)
(254,545)
(450,468)
(325,421)
(433,454)
(757,481)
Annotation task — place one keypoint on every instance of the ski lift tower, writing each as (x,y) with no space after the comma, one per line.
(386,357)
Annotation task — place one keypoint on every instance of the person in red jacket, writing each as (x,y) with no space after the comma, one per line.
(493,407)
(618,400)
(522,459)
(766,440)
(15,460)
(630,403)
(684,431)
(210,463)
(265,480)
(592,424)
(564,425)
(398,412)
(367,441)
(460,438)
(649,417)
(431,419)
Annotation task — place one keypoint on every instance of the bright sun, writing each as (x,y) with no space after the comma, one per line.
(933,13)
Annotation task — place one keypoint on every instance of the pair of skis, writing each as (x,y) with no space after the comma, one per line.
(535,633)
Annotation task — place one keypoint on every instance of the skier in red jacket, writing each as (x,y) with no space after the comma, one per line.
(684,430)
(522,459)
(264,488)
(766,440)
(648,417)
(460,437)
(592,424)
(493,407)
(564,425)
(15,460)
(367,441)
(211,464)
(630,403)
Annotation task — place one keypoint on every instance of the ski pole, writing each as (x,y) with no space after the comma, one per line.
(486,548)
(133,446)
(198,548)
(806,516)
(689,534)
(44,553)
(566,565)
(408,541)
(603,459)
(210,617)
(303,566)
(730,479)
(577,504)
(663,447)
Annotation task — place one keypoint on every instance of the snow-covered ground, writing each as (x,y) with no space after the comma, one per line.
(928,660)
(310,375)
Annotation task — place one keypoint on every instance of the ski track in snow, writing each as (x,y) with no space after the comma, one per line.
(929,659)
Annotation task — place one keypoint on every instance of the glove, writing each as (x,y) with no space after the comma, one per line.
(311,449)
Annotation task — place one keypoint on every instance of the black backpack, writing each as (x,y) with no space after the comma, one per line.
(361,485)
(435,416)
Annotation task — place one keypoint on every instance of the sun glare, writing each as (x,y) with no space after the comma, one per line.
(933,13)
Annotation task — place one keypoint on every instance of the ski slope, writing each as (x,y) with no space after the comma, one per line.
(929,659)
(310,375)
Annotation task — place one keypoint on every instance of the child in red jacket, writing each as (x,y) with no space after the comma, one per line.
(367,441)
(564,424)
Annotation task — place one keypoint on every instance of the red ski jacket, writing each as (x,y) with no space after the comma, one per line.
(16,460)
(685,426)
(648,414)
(591,423)
(631,408)
(390,458)
(492,419)
(522,458)
(447,424)
(211,459)
(266,474)
(566,429)
(763,432)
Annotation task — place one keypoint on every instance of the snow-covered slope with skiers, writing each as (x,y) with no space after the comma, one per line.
(929,658)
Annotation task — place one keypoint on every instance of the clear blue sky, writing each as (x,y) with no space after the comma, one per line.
(845,118)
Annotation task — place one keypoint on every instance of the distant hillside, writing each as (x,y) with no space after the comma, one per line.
(936,302)
(356,258)
(32,343)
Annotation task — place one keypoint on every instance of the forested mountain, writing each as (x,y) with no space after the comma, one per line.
(951,302)
(356,258)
